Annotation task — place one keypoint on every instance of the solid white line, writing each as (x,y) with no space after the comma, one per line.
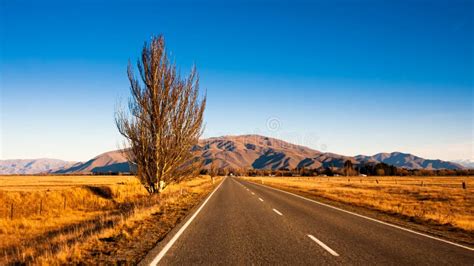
(260,199)
(328,249)
(368,218)
(279,213)
(181,230)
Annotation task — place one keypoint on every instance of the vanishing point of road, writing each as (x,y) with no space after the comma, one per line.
(243,223)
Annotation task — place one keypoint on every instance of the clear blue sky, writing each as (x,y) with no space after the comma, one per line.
(350,77)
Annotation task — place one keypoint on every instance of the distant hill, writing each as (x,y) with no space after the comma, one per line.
(408,161)
(113,161)
(247,151)
(252,151)
(33,166)
(260,152)
(466,163)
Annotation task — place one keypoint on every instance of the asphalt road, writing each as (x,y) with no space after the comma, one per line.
(243,223)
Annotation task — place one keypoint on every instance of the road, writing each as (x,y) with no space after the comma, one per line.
(247,223)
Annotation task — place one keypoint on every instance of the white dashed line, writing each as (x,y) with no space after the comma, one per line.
(328,249)
(260,199)
(277,212)
(253,193)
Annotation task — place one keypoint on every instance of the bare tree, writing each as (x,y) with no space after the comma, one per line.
(213,169)
(164,119)
(348,168)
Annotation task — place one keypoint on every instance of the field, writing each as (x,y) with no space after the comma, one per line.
(46,219)
(439,202)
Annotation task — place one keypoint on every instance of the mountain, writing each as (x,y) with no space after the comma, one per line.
(247,151)
(408,161)
(252,151)
(466,163)
(33,166)
(260,152)
(113,161)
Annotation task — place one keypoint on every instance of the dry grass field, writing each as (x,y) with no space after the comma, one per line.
(58,219)
(424,200)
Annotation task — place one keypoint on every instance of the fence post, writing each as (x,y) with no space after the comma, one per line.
(463,185)
(64,203)
(11,212)
(41,207)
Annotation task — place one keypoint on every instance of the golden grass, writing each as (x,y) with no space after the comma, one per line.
(57,182)
(43,219)
(439,200)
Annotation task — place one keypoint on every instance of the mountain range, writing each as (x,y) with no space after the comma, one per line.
(245,151)
(467,163)
(33,166)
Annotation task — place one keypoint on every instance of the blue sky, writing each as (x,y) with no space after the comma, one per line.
(350,77)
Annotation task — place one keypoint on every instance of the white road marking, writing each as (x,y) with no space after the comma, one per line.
(253,193)
(368,218)
(279,213)
(260,199)
(162,253)
(328,249)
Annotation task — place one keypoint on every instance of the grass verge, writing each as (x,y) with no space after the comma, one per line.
(88,220)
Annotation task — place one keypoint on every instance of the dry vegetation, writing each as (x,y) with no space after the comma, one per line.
(59,219)
(164,119)
(440,201)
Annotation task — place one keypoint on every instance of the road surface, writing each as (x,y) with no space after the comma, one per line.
(244,223)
